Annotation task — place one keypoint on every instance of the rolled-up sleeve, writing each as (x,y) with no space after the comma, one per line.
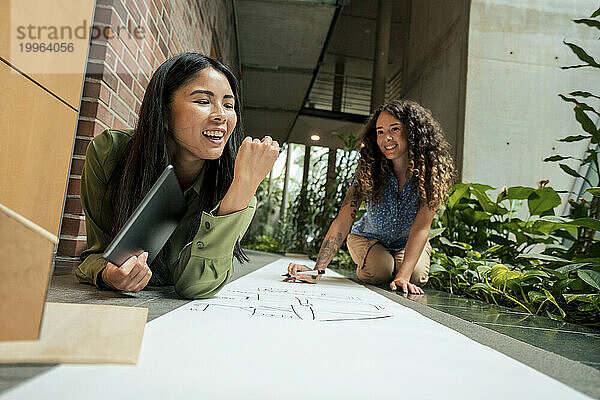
(206,264)
(93,192)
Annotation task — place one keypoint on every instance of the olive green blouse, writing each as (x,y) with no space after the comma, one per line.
(198,269)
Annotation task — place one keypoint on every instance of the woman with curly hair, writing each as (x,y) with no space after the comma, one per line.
(404,172)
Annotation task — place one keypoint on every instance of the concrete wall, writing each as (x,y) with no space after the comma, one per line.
(435,63)
(513,115)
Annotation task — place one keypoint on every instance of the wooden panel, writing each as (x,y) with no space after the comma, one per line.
(26,262)
(69,332)
(59,72)
(35,150)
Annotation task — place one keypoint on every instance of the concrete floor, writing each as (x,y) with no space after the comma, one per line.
(568,353)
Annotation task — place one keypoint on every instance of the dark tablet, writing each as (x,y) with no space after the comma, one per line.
(152,222)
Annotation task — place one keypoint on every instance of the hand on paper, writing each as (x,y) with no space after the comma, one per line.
(132,276)
(402,284)
(293,270)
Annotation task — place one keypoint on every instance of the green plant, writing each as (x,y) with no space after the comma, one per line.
(313,209)
(583,207)
(263,243)
(482,250)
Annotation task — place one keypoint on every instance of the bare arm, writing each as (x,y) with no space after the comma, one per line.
(337,233)
(419,233)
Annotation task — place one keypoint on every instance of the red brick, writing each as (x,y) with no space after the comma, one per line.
(133,11)
(91,89)
(93,109)
(75,183)
(153,29)
(119,108)
(130,62)
(132,119)
(103,15)
(124,74)
(163,48)
(97,51)
(72,226)
(73,205)
(76,166)
(96,90)
(127,96)
(138,90)
(153,11)
(88,109)
(110,79)
(71,247)
(111,57)
(138,105)
(167,6)
(120,9)
(144,65)
(80,148)
(165,19)
(142,8)
(94,70)
(143,81)
(85,128)
(119,124)
(130,41)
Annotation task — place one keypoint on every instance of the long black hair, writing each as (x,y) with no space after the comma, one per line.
(146,154)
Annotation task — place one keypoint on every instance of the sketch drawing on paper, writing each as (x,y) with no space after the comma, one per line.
(292,304)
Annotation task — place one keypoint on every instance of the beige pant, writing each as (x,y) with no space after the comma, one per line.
(377,265)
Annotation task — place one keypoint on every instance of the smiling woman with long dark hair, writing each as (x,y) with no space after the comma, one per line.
(190,118)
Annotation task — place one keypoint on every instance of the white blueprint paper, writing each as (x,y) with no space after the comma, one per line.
(261,338)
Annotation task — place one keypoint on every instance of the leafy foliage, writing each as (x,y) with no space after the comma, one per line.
(484,250)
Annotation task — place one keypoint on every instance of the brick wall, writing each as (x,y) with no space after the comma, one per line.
(142,35)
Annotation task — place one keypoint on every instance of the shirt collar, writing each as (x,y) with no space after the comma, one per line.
(198,182)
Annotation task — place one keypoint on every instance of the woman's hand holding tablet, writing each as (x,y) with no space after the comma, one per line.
(132,276)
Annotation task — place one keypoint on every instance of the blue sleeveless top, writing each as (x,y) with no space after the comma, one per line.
(390,220)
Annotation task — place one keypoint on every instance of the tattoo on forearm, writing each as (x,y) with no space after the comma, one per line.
(329,249)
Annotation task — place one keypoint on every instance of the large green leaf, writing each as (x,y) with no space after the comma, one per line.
(543,257)
(590,277)
(435,232)
(580,93)
(565,269)
(587,298)
(500,274)
(595,191)
(555,158)
(590,223)
(586,123)
(482,187)
(435,268)
(574,138)
(570,170)
(589,22)
(580,105)
(545,227)
(582,55)
(460,190)
(516,192)
(542,200)
(493,249)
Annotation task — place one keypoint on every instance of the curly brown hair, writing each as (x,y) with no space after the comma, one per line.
(429,158)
